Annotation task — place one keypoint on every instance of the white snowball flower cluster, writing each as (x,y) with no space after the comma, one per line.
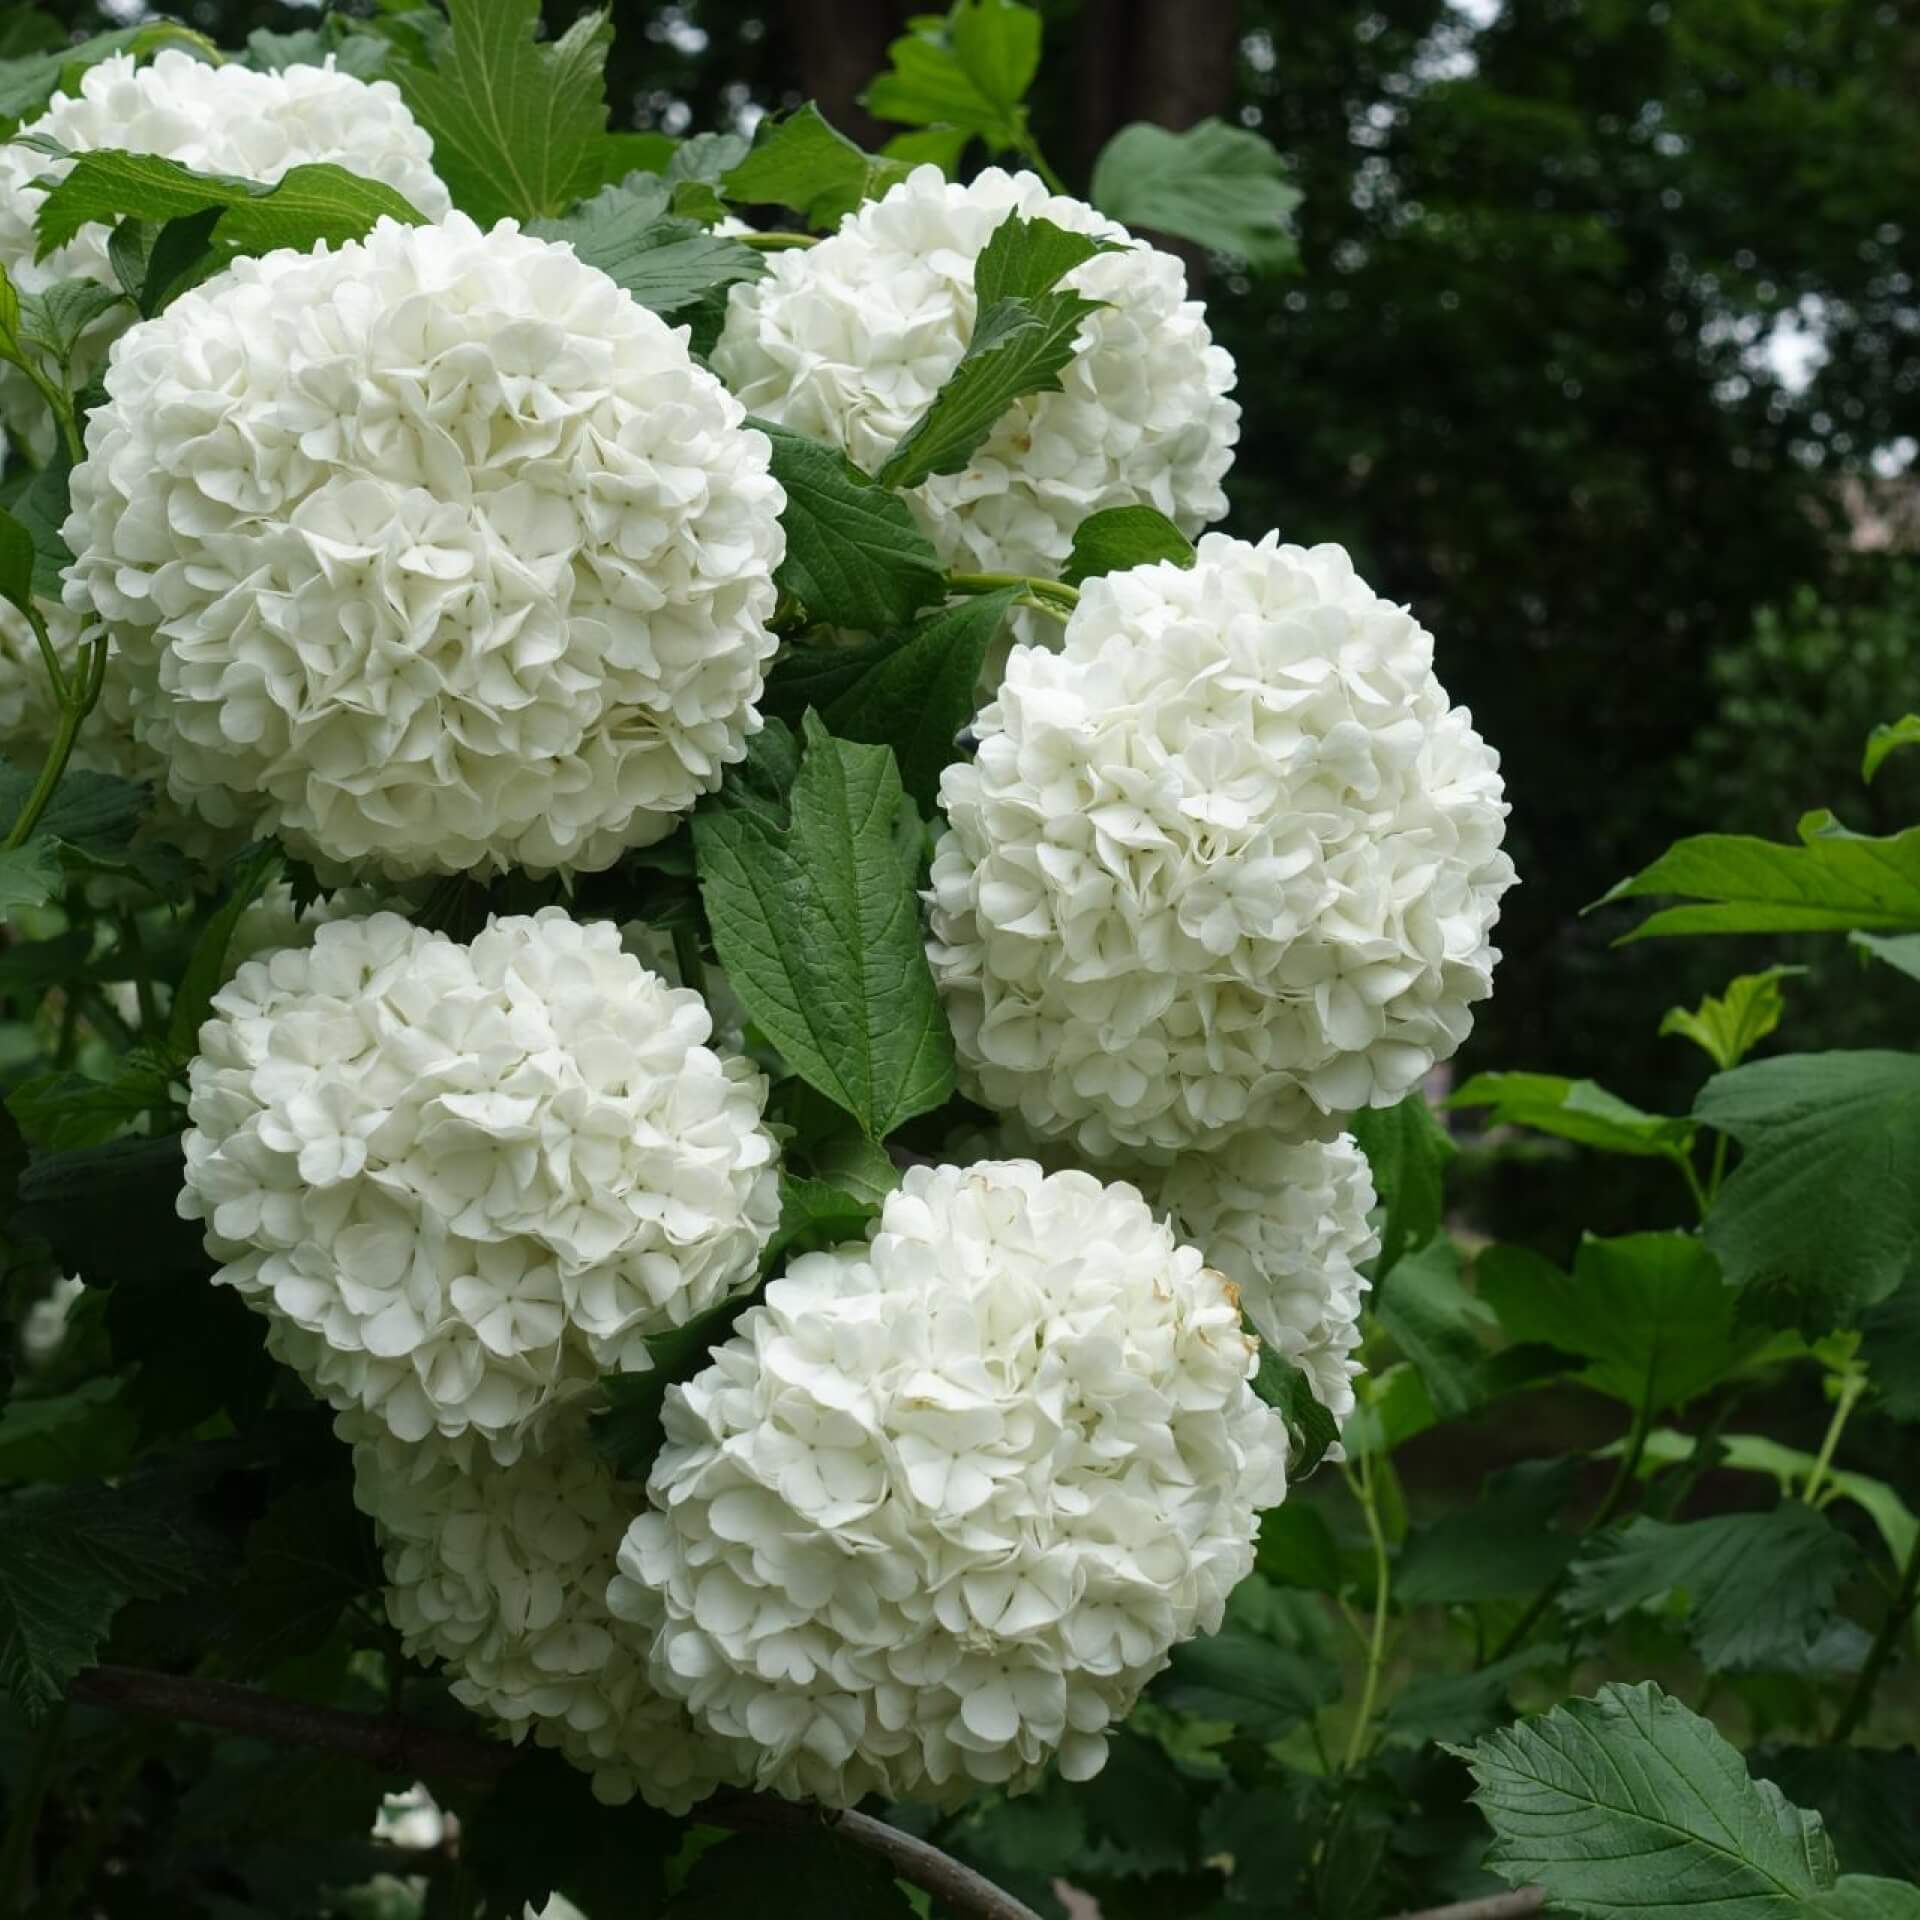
(850,341)
(1288,1224)
(226,119)
(462,1181)
(430,553)
(502,1572)
(945,1501)
(1228,862)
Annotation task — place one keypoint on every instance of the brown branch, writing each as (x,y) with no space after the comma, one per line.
(429,1753)
(1520,1904)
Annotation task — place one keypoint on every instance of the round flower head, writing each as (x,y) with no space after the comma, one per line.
(1227,862)
(1288,1225)
(502,1572)
(226,119)
(849,342)
(432,552)
(945,1501)
(461,1181)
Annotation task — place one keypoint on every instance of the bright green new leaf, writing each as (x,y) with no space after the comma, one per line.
(1826,1198)
(855,556)
(1124,537)
(518,124)
(1648,1313)
(1025,258)
(1018,348)
(1629,1807)
(72,1559)
(1312,1429)
(1759,1587)
(912,691)
(1249,1682)
(798,160)
(318,201)
(968,73)
(1407,1152)
(1889,737)
(1221,187)
(1576,1110)
(1434,1320)
(818,926)
(1727,1027)
(1832,882)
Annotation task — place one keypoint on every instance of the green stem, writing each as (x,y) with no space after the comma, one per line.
(1029,149)
(16,1850)
(1362,1488)
(136,947)
(1719,1169)
(776,242)
(73,710)
(61,404)
(1852,1386)
(1609,1506)
(1032,584)
(1906,1596)
(1683,1159)
(688,958)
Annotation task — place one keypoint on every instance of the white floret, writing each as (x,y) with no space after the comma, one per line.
(502,1572)
(1228,862)
(849,342)
(944,1502)
(227,119)
(429,553)
(462,1181)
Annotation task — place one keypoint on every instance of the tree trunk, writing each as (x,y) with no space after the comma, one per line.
(837,47)
(1168,61)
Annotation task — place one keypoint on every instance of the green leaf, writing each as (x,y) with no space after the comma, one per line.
(140,1233)
(1576,1110)
(664,263)
(855,556)
(1505,1546)
(1890,1346)
(818,926)
(1627,1804)
(1760,1586)
(16,563)
(1826,1198)
(1310,1427)
(1296,1548)
(805,1876)
(54,320)
(1248,1682)
(81,1435)
(518,125)
(1648,1312)
(253,873)
(1462,1705)
(318,201)
(968,73)
(1436,1323)
(799,161)
(42,510)
(1221,187)
(1024,259)
(1018,348)
(69,1560)
(1727,1027)
(626,1430)
(1832,882)
(28,875)
(63,1110)
(310,1556)
(912,691)
(931,147)
(1866,1796)
(1900,951)
(1889,737)
(1124,537)
(1407,1152)
(1859,1896)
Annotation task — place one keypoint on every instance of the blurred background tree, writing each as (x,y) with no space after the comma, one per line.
(1603,345)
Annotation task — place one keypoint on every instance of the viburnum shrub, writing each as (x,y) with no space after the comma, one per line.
(720,1194)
